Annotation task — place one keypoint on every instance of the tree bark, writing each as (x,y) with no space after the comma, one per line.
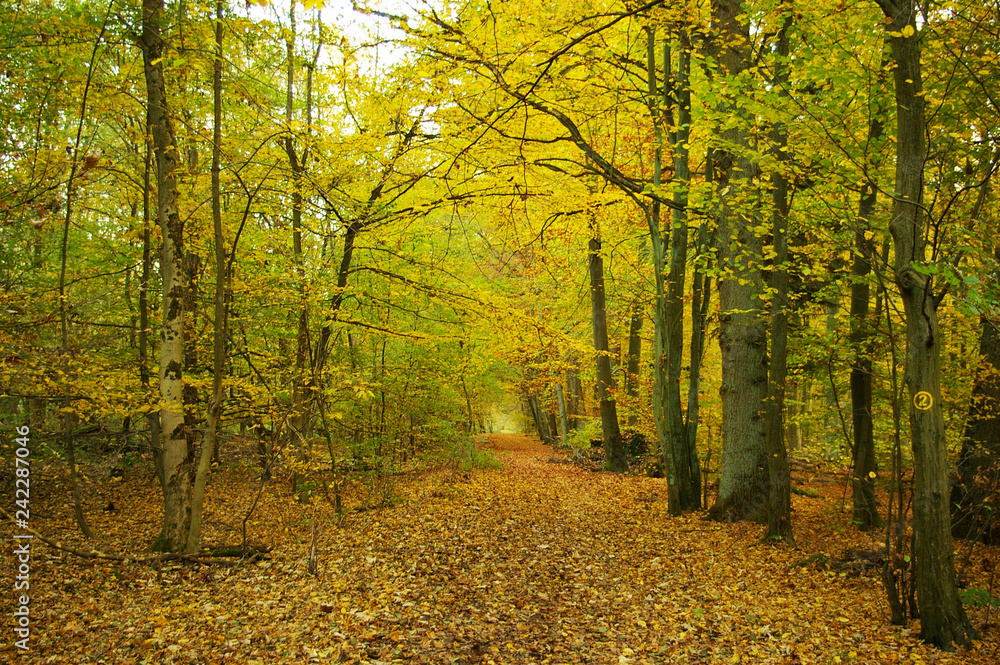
(779,509)
(688,473)
(153,417)
(538,417)
(176,444)
(632,364)
(219,327)
(865,512)
(613,446)
(576,404)
(701,300)
(743,481)
(658,102)
(942,618)
(301,381)
(563,419)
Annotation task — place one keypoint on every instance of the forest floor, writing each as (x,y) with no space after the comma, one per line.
(539,562)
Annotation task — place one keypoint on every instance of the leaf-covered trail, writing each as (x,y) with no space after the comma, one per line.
(547,562)
(537,562)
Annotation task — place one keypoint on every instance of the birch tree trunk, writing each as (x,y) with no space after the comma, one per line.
(175,440)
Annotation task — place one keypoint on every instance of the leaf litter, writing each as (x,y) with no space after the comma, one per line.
(534,563)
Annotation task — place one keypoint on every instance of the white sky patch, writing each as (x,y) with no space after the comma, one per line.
(375,36)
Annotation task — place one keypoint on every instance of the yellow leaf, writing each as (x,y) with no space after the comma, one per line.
(871,474)
(908,31)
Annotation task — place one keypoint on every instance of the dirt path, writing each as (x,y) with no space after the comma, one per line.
(541,562)
(536,562)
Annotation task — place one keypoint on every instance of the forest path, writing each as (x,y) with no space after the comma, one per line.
(545,562)
(537,562)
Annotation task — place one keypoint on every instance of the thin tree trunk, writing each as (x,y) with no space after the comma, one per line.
(831,415)
(563,419)
(659,241)
(575,396)
(779,510)
(865,512)
(192,273)
(632,365)
(701,299)
(942,618)
(470,425)
(219,323)
(300,381)
(688,474)
(538,416)
(153,417)
(69,416)
(613,445)
(177,448)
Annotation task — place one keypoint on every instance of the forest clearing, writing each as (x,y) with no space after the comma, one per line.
(287,286)
(538,561)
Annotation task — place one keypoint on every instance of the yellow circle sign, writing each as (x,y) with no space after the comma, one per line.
(923,400)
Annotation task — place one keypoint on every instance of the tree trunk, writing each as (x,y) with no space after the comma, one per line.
(192,273)
(701,299)
(831,415)
(613,446)
(152,418)
(69,417)
(575,396)
(942,617)
(632,364)
(299,417)
(176,444)
(563,418)
(658,102)
(743,484)
(689,491)
(865,504)
(36,413)
(779,509)
(219,321)
(538,417)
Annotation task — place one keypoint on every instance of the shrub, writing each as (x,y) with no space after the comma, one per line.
(466,456)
